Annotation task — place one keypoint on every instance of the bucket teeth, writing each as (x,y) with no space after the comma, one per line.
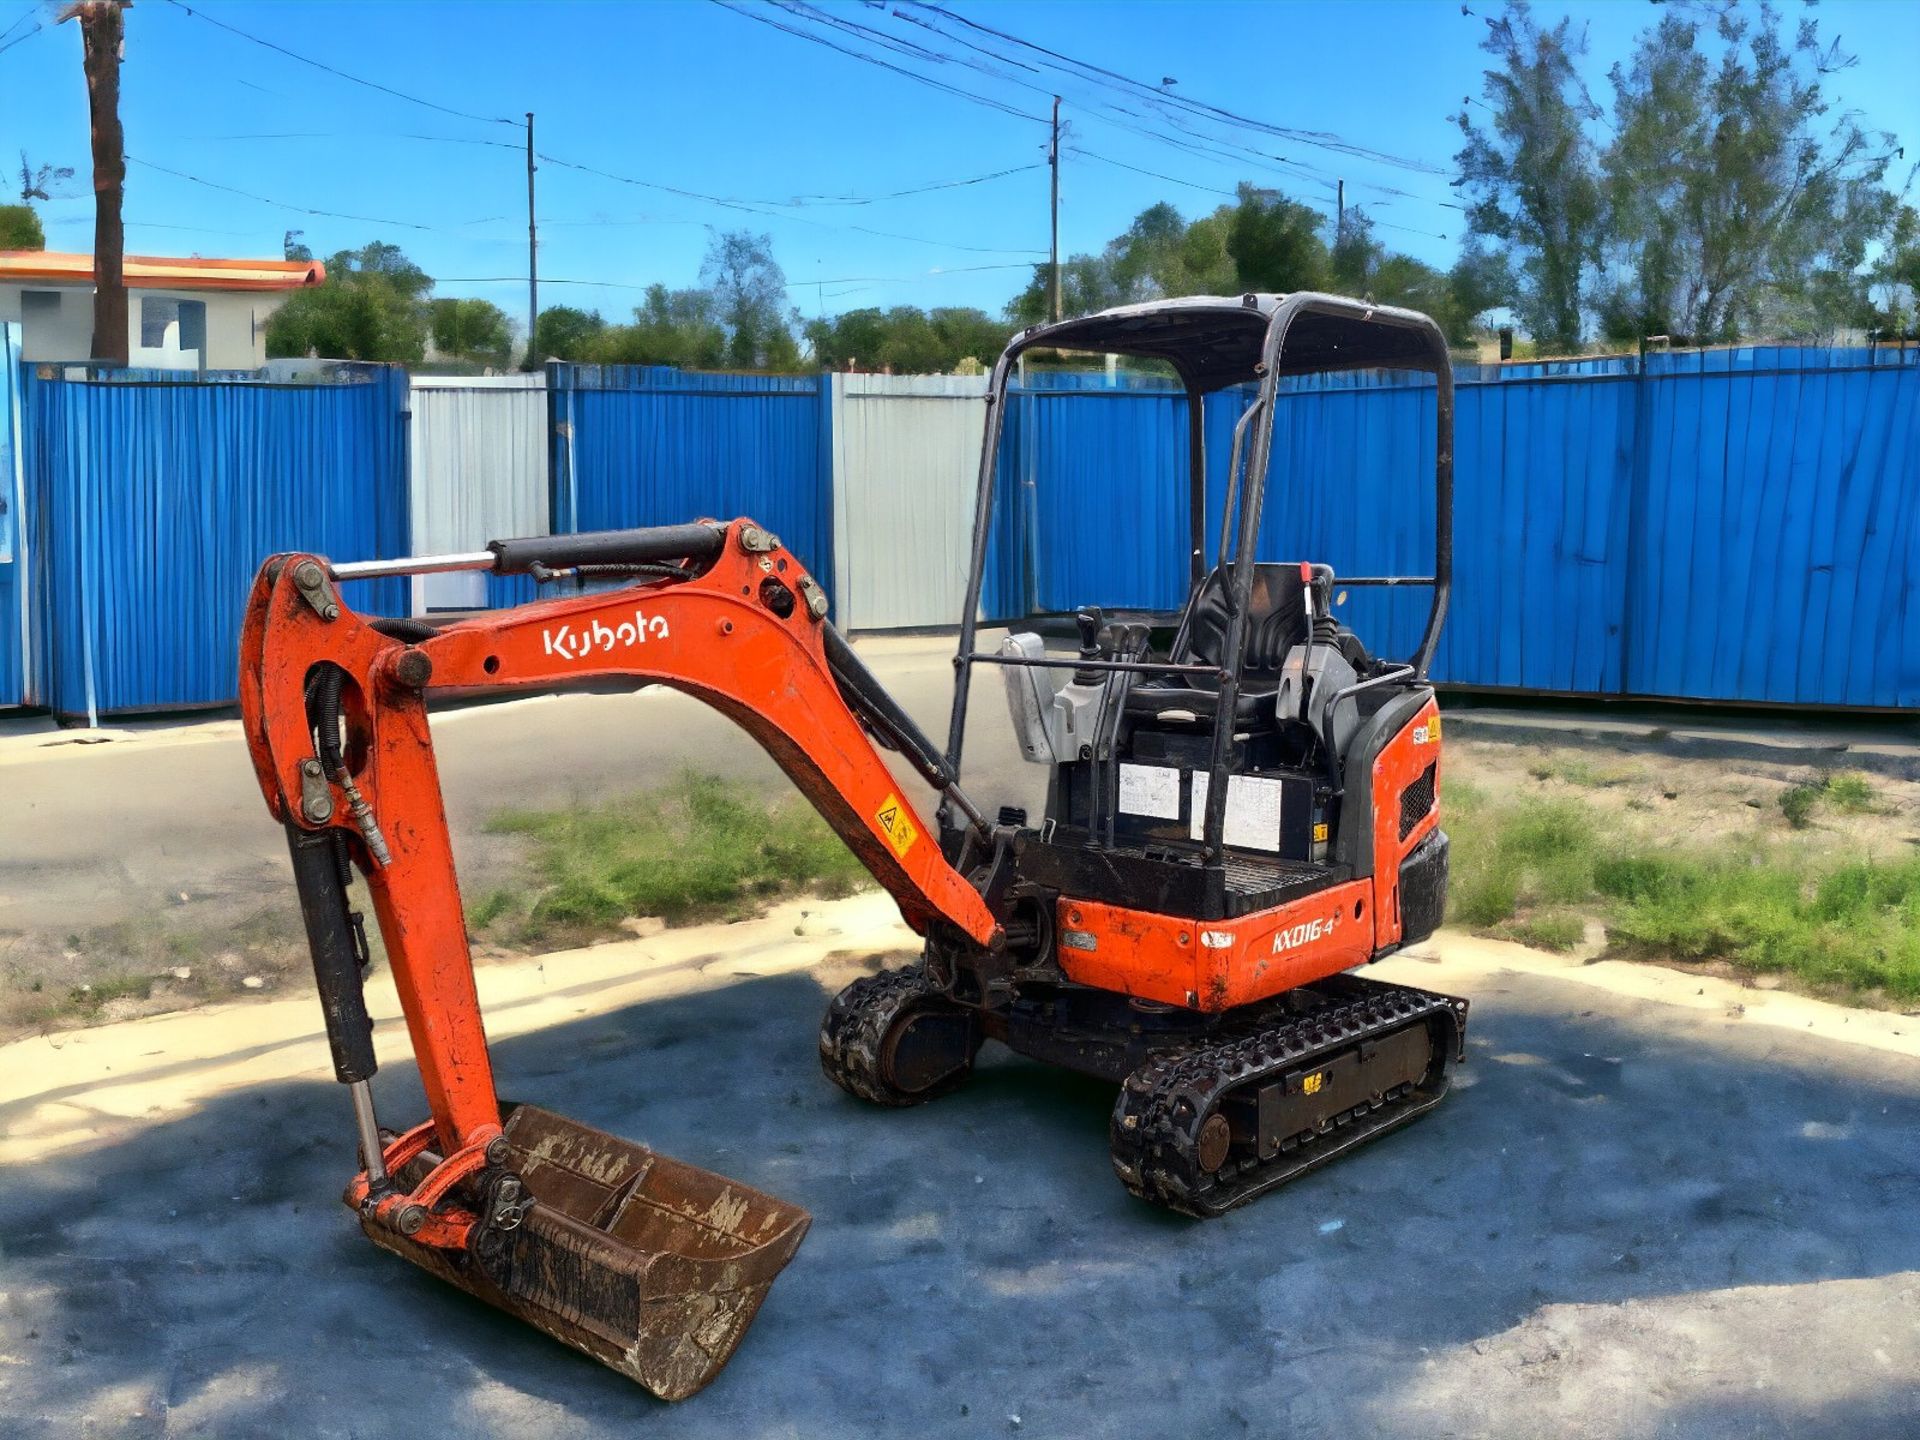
(651,1266)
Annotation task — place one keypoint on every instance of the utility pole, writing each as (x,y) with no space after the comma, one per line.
(1340,209)
(1053,248)
(532,360)
(102,33)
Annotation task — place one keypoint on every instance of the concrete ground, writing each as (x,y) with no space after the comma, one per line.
(1658,1204)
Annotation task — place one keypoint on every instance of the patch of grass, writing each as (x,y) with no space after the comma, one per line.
(1855,928)
(89,999)
(1538,853)
(1851,793)
(1537,870)
(1796,803)
(697,848)
(1557,930)
(1573,770)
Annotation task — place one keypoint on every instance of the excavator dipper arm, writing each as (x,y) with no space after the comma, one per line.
(334,708)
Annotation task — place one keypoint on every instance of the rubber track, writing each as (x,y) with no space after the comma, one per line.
(855,1029)
(1157,1118)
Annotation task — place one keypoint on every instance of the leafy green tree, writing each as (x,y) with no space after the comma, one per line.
(20,229)
(750,296)
(372,307)
(968,334)
(906,340)
(1896,279)
(1275,243)
(472,329)
(670,327)
(566,333)
(1738,204)
(1531,175)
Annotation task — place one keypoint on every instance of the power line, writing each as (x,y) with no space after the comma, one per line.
(1233,194)
(1182,136)
(281,204)
(1156,95)
(955,90)
(342,74)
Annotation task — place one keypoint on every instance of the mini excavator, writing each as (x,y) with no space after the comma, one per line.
(1242,808)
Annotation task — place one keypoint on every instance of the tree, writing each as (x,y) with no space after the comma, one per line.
(906,340)
(566,333)
(293,246)
(670,327)
(476,329)
(20,229)
(1531,176)
(1736,206)
(372,307)
(1275,243)
(1897,277)
(749,290)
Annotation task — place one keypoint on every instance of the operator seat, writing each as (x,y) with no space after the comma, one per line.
(1276,622)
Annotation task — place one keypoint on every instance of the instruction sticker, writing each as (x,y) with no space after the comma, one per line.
(896,823)
(1253,811)
(1150,790)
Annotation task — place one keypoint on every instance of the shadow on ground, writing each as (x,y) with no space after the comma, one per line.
(975,1260)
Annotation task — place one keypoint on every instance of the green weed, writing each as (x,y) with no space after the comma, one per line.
(1796,803)
(696,848)
(1850,792)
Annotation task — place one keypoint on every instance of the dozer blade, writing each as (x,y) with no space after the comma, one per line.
(651,1266)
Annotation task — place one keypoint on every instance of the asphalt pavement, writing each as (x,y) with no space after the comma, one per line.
(1630,1219)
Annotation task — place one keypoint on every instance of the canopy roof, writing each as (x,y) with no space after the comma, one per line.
(1217,340)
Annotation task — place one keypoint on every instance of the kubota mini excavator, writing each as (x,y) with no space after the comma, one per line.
(1242,807)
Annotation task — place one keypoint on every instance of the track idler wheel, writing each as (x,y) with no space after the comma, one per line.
(892,1039)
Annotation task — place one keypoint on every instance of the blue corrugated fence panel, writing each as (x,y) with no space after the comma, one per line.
(15,543)
(162,498)
(650,445)
(1739,524)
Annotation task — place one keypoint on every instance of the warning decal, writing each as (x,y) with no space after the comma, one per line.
(896,823)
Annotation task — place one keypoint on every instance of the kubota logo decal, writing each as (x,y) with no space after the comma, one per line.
(601,638)
(1304,933)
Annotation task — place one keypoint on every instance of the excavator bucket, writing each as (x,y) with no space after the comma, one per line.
(651,1266)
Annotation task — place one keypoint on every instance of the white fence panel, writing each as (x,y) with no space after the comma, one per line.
(479,473)
(906,458)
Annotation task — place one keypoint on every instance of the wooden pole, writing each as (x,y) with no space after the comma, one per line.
(102,32)
(532,360)
(1053,159)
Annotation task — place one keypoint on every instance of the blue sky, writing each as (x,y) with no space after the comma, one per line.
(689,95)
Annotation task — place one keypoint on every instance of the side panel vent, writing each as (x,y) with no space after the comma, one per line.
(1416,801)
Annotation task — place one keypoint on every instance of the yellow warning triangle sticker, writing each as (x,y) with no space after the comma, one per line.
(896,823)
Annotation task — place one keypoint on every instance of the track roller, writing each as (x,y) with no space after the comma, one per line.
(894,1040)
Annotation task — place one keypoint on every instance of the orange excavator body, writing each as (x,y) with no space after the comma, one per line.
(1224,840)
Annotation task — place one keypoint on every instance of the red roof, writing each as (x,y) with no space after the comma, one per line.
(164,272)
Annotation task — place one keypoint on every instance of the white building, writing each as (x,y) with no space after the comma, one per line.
(182,314)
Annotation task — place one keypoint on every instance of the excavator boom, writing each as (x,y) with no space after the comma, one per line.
(650,1265)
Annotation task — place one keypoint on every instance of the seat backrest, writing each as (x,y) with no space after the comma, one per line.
(1276,621)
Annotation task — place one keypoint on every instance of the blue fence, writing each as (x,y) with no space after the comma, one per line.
(650,445)
(157,498)
(17,635)
(1738,525)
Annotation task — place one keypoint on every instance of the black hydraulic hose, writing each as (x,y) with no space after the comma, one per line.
(323,711)
(337,945)
(865,696)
